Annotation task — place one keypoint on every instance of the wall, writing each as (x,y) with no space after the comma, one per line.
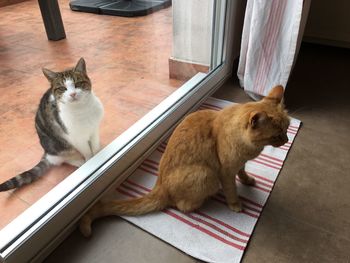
(329,23)
(192,35)
(192,30)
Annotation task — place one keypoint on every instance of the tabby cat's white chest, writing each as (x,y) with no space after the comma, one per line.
(82,120)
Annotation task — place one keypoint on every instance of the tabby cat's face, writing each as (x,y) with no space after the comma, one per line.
(70,86)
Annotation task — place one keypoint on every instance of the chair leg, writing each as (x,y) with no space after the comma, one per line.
(51,14)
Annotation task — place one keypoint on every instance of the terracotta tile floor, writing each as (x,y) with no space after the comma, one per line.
(127,60)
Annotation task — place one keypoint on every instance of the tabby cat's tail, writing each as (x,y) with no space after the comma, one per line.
(26,177)
(156,200)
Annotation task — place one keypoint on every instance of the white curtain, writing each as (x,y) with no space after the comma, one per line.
(272,34)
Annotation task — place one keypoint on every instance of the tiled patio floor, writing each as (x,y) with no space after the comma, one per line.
(127,61)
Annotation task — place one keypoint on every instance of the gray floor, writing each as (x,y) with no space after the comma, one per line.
(307,218)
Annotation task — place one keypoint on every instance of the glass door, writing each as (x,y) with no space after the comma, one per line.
(200,59)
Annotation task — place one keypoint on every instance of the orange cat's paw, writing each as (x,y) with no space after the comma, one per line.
(85,226)
(249,180)
(236,207)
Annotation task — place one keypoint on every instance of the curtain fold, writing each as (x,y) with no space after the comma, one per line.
(270,41)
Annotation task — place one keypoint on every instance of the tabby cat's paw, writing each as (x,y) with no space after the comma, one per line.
(76,162)
(236,207)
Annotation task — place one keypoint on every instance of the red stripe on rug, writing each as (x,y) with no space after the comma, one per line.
(262,183)
(131,189)
(196,212)
(291,132)
(151,166)
(268,160)
(147,170)
(251,202)
(294,127)
(204,230)
(255,186)
(216,228)
(261,188)
(211,105)
(182,219)
(126,193)
(222,200)
(260,177)
(271,157)
(223,224)
(284,148)
(265,164)
(151,161)
(137,185)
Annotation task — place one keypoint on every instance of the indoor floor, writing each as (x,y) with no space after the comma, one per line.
(307,217)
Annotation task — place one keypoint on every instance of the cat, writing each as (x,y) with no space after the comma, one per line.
(205,152)
(67,123)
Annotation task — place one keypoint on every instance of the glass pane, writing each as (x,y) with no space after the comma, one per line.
(133,63)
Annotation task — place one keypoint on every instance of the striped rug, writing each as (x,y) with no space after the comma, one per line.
(213,233)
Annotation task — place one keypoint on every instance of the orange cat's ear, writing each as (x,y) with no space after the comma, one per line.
(257,118)
(276,93)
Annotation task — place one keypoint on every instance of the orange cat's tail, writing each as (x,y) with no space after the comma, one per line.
(156,200)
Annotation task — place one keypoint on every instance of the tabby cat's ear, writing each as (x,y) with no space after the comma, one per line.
(81,66)
(257,118)
(276,93)
(50,75)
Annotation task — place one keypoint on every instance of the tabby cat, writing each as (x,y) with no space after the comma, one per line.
(204,153)
(67,123)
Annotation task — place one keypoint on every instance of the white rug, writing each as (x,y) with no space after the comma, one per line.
(213,233)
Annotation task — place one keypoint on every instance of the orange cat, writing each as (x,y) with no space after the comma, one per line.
(204,153)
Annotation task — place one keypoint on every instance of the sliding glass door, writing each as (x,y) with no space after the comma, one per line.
(203,49)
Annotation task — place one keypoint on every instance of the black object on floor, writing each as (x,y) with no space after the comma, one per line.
(119,7)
